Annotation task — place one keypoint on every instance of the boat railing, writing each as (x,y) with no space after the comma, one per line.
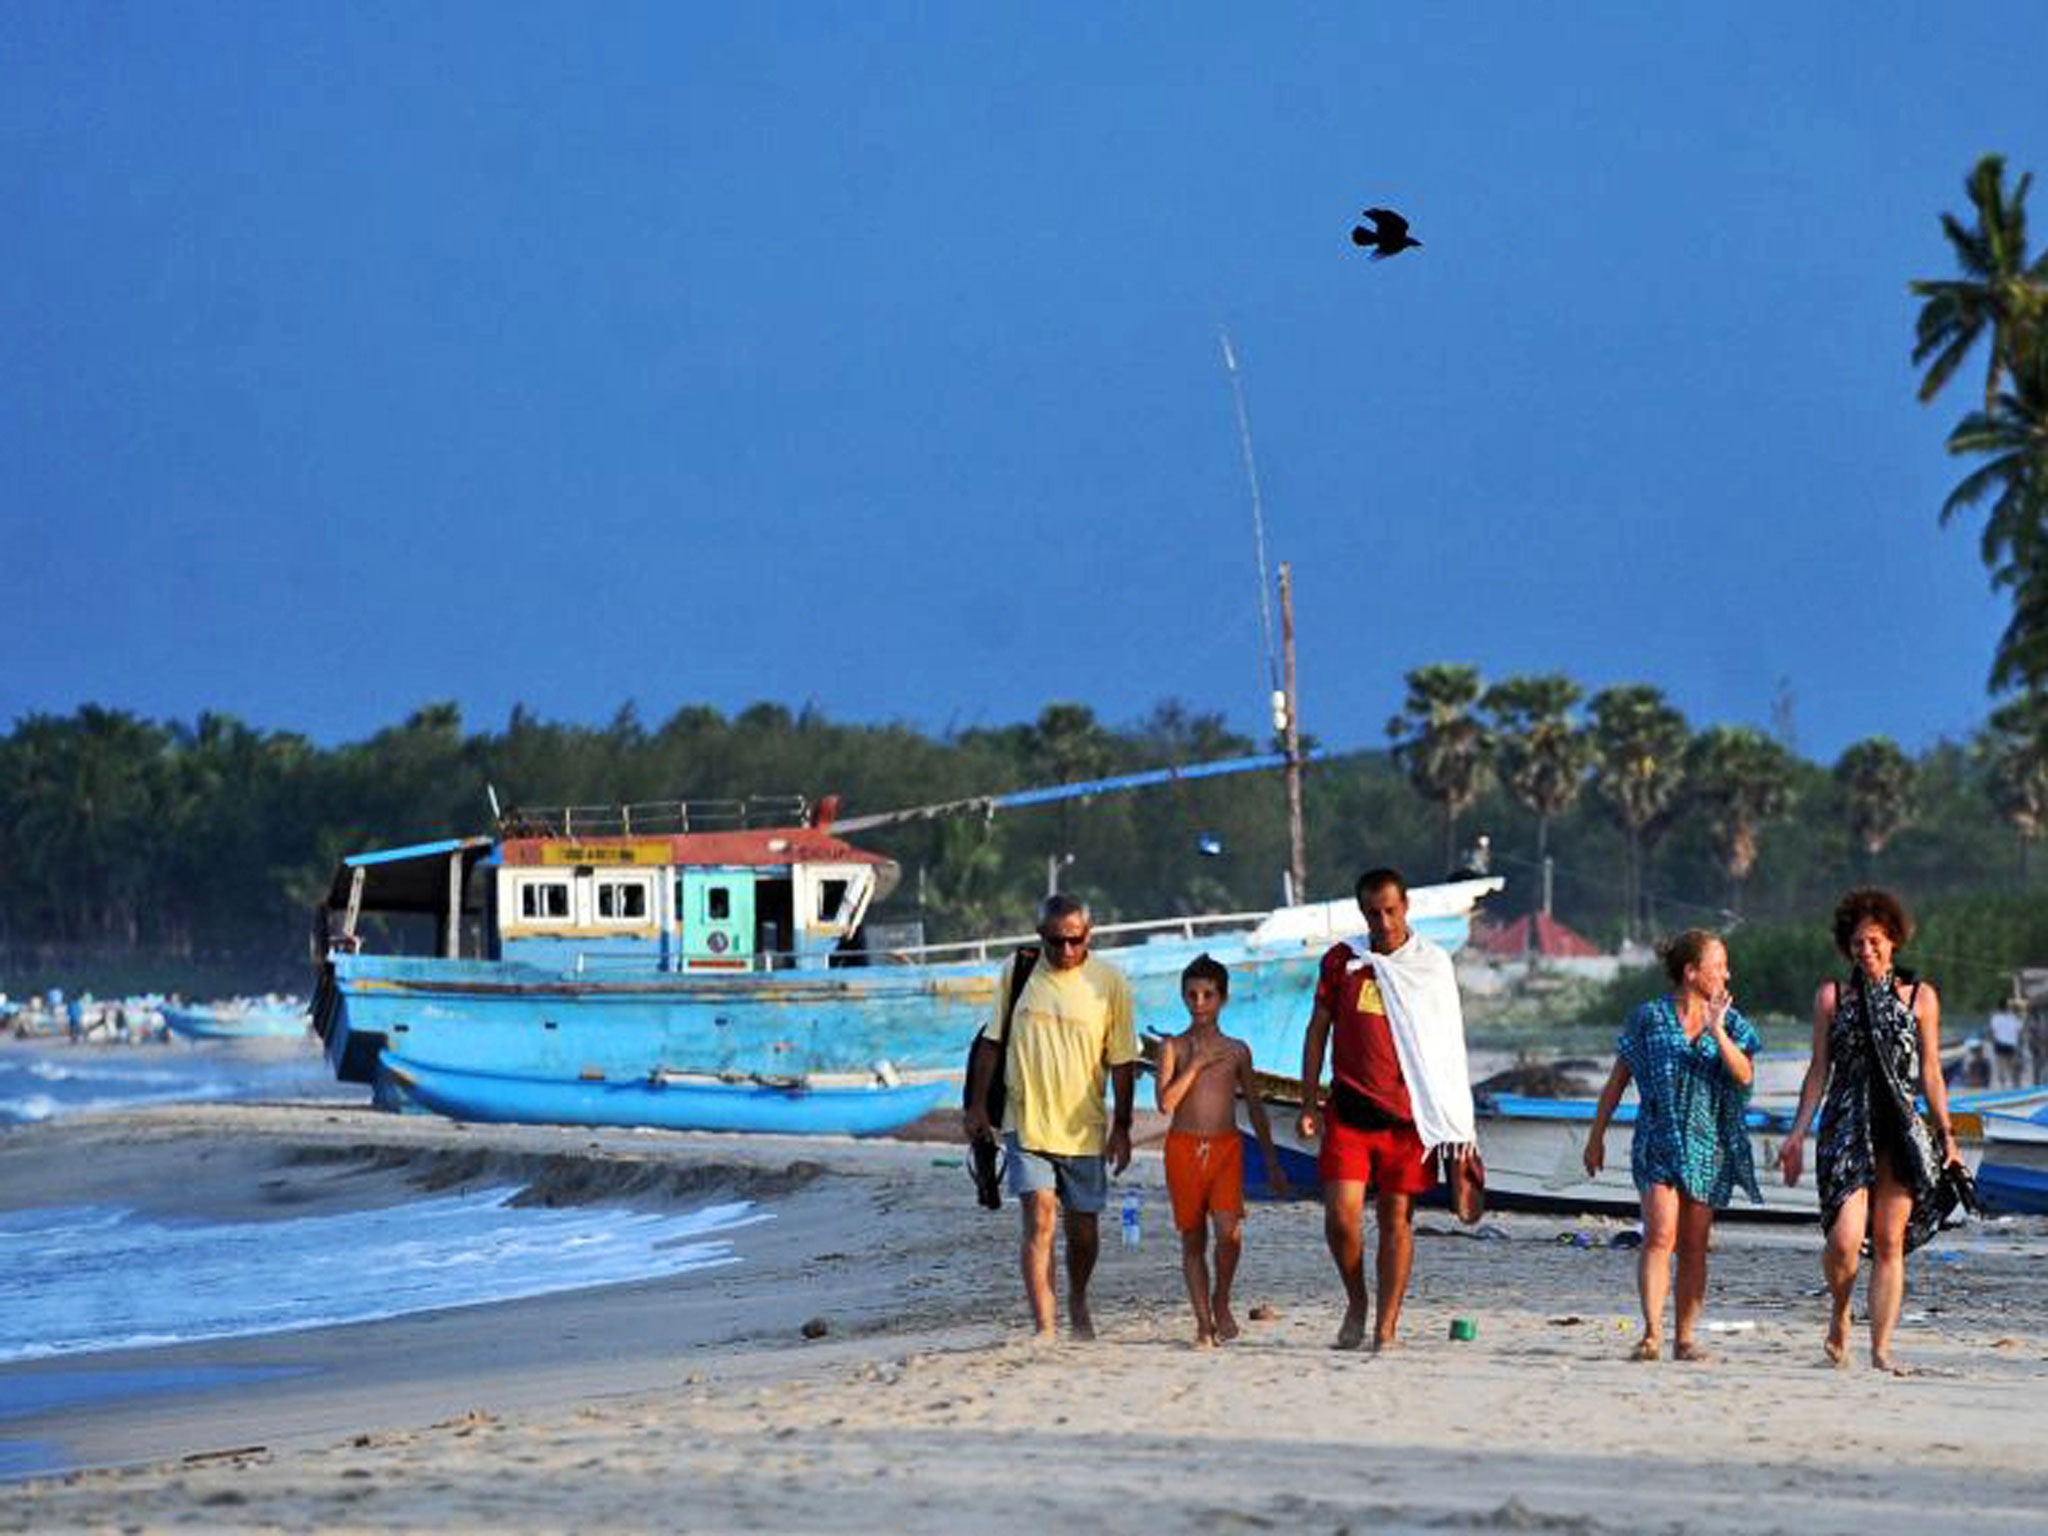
(962,951)
(1119,935)
(655,817)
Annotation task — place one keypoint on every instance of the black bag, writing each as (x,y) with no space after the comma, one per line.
(1957,1190)
(982,1151)
(1357,1111)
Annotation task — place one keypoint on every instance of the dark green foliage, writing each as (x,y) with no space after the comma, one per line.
(130,848)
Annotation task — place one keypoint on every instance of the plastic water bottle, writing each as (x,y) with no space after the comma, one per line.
(1133,1231)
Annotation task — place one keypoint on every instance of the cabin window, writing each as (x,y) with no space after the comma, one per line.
(544,900)
(718,904)
(831,896)
(622,901)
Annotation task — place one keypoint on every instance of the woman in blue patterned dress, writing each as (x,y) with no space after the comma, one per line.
(1690,1055)
(1876,1052)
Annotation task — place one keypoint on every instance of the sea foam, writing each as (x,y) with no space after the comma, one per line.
(85,1279)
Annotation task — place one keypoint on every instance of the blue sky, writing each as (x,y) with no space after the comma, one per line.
(865,356)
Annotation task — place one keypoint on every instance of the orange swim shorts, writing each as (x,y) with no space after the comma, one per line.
(1204,1174)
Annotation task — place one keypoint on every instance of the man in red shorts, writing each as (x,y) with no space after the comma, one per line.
(1368,1129)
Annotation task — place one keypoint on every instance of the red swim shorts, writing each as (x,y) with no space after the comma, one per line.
(1389,1161)
(1204,1174)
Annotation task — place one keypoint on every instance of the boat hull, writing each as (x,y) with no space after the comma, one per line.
(250,1024)
(662,1104)
(1533,1149)
(487,1015)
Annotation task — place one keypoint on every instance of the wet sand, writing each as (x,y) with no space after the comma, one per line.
(697,1403)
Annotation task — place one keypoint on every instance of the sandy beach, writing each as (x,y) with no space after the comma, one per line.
(697,1402)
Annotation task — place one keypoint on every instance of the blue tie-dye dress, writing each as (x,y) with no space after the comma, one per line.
(1689,1131)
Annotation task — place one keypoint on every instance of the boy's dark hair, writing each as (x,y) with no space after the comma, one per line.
(1373,879)
(1204,968)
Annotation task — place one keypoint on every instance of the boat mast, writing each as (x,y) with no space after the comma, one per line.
(1290,737)
(1281,683)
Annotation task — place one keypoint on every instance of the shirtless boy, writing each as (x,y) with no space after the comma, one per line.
(1201,1073)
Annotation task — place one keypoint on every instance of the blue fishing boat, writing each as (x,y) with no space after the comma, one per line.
(813,1106)
(236,1020)
(2012,1179)
(727,945)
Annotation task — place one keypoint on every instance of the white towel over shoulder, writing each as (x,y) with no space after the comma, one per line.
(1420,990)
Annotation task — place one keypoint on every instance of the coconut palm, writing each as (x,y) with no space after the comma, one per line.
(2001,294)
(1441,744)
(2015,752)
(2011,436)
(1541,753)
(1638,768)
(1741,779)
(1876,780)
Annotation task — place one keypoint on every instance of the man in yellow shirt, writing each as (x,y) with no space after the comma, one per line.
(1072,1033)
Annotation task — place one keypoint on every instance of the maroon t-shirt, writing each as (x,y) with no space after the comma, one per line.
(1361,1041)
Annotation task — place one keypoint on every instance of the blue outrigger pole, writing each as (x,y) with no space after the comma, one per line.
(988,805)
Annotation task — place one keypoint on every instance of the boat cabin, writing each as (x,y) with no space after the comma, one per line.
(550,895)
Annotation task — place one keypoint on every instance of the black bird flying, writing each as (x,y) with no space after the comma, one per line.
(1388,237)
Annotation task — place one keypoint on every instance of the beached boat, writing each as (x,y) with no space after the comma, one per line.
(2012,1126)
(813,1106)
(1533,1149)
(725,944)
(236,1020)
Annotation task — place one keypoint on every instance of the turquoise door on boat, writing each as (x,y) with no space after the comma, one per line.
(715,908)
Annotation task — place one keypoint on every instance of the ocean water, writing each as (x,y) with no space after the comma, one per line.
(85,1279)
(45,1079)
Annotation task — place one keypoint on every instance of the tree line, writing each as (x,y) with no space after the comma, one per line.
(213,842)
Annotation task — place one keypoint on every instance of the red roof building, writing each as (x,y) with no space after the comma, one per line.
(1536,934)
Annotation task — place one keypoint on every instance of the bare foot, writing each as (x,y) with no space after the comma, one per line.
(1836,1344)
(1384,1346)
(1891,1367)
(1648,1347)
(1226,1325)
(1205,1341)
(1081,1322)
(1685,1349)
(1352,1333)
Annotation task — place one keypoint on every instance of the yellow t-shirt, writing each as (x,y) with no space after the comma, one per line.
(1069,1029)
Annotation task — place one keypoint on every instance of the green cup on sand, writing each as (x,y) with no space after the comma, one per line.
(1464,1330)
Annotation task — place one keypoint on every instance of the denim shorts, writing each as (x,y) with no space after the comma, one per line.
(1081,1181)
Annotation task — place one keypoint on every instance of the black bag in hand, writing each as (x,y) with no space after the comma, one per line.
(982,1151)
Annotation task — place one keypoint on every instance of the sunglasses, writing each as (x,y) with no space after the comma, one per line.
(1061,941)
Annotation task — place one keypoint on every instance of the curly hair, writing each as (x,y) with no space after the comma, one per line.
(1685,949)
(1871,904)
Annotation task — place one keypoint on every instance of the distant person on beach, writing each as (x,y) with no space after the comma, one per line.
(1201,1073)
(1876,1049)
(1071,1033)
(1692,1058)
(1387,1009)
(2005,1028)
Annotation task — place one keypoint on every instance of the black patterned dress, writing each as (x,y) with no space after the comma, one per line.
(1873,1081)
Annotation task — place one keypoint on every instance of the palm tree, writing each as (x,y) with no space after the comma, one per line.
(1441,743)
(1876,779)
(1742,779)
(2011,435)
(1638,768)
(1540,752)
(2000,295)
(2015,751)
